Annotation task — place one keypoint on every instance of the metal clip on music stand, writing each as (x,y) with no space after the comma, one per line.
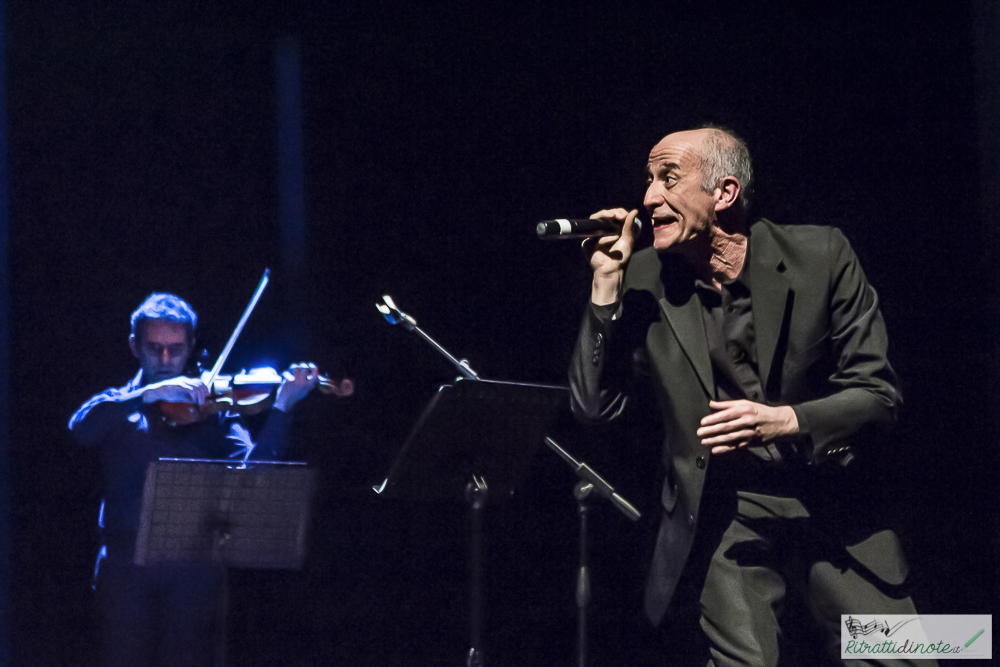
(477,430)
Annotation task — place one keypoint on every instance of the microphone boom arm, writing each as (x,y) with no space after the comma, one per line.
(394,315)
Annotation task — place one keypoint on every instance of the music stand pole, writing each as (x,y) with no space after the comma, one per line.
(589,482)
(476,493)
(582,492)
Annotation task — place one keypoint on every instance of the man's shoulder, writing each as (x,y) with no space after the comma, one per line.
(810,242)
(111,395)
(794,232)
(117,393)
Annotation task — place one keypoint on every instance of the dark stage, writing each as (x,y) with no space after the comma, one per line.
(149,150)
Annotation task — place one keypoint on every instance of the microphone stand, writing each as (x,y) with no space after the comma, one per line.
(590,482)
(394,315)
(476,495)
(476,491)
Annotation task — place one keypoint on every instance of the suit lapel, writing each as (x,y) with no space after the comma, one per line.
(682,309)
(769,290)
(769,285)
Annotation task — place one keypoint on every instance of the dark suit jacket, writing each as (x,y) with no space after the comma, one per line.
(821,347)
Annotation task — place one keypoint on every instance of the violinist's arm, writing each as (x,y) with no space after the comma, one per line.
(178,389)
(102,414)
(296,383)
(273,438)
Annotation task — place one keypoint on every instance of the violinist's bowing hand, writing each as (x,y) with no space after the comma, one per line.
(177,390)
(296,382)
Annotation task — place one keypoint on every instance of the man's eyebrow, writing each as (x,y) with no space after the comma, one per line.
(666,166)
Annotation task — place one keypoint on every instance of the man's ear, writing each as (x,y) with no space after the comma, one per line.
(728,191)
(133,345)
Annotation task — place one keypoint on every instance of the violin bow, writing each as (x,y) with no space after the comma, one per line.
(239,328)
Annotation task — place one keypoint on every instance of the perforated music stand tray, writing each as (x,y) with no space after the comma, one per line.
(210,511)
(481,428)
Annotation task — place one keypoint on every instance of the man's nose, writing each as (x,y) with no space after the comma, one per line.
(165,356)
(652,198)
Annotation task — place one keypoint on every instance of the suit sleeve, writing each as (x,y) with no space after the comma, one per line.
(596,394)
(864,385)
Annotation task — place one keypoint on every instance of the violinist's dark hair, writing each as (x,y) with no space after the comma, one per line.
(160,306)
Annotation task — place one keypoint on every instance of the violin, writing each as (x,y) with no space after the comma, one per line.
(248,393)
(245,394)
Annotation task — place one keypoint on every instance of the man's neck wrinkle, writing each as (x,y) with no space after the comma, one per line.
(726,261)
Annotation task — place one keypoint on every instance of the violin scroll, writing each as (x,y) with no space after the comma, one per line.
(326,386)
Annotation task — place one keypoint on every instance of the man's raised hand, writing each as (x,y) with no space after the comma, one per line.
(609,255)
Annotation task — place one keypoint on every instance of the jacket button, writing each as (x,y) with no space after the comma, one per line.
(691,520)
(598,339)
(700,462)
(596,359)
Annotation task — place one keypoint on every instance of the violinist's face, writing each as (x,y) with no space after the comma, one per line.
(163,351)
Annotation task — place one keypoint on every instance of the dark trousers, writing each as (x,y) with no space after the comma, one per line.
(165,616)
(772,547)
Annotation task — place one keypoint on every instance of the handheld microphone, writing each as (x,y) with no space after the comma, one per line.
(577,229)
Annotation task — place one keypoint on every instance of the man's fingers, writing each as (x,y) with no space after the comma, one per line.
(731,447)
(730,415)
(594,244)
(738,422)
(722,449)
(618,214)
(628,228)
(197,391)
(604,243)
(743,435)
(717,418)
(729,411)
(303,374)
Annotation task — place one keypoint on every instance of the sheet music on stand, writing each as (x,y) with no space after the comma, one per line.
(216,511)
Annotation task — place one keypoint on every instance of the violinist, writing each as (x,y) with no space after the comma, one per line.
(166,615)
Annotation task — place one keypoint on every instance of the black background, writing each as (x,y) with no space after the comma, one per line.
(143,157)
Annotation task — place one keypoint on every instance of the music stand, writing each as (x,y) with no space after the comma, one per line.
(451,422)
(475,439)
(211,511)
